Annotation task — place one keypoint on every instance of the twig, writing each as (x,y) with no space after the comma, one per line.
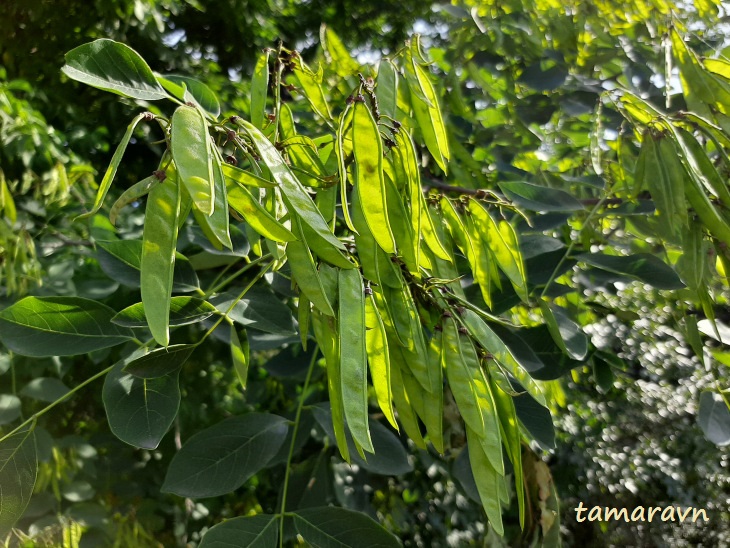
(432,183)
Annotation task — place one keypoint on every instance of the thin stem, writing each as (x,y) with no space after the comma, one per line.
(235,301)
(279,67)
(297,418)
(433,183)
(235,275)
(217,279)
(50,406)
(554,274)
(12,373)
(13,381)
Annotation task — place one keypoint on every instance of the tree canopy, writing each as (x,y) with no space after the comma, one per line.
(289,272)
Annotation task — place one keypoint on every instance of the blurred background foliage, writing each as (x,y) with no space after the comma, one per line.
(521,82)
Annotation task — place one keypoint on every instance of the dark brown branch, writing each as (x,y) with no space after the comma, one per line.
(432,183)
(68,242)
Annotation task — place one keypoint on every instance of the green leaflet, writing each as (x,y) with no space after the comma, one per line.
(115,67)
(677,179)
(311,85)
(353,356)
(18,473)
(719,67)
(242,201)
(259,531)
(490,342)
(232,451)
(565,332)
(331,527)
(426,109)
(296,198)
(191,90)
(369,178)
(692,265)
(341,60)
(713,131)
(160,362)
(702,91)
(134,192)
(376,344)
(325,331)
(471,391)
(192,156)
(240,354)
(417,52)
(387,88)
(111,171)
(159,239)
(304,271)
(700,167)
(140,411)
(259,89)
(539,198)
(59,326)
(183,311)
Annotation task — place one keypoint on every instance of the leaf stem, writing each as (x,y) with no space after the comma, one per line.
(279,68)
(433,183)
(554,274)
(50,406)
(297,418)
(240,296)
(235,275)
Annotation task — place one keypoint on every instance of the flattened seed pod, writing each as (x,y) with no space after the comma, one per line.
(159,239)
(369,178)
(192,156)
(353,355)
